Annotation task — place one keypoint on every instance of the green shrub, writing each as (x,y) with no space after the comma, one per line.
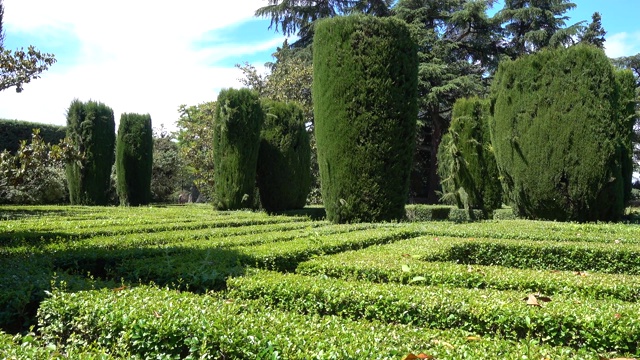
(284,161)
(466,215)
(561,135)
(236,142)
(134,159)
(91,127)
(504,214)
(365,108)
(466,164)
(14,131)
(427,212)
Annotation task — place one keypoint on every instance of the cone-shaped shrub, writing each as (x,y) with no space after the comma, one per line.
(466,163)
(627,88)
(91,127)
(560,128)
(365,108)
(236,140)
(284,161)
(134,159)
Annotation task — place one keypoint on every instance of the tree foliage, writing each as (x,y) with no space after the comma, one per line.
(134,159)
(236,141)
(561,133)
(466,163)
(169,171)
(594,33)
(284,169)
(195,140)
(20,66)
(91,128)
(365,93)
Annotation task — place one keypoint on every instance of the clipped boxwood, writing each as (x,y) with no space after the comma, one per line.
(284,160)
(365,108)
(91,127)
(134,159)
(466,164)
(561,134)
(12,132)
(236,142)
(418,212)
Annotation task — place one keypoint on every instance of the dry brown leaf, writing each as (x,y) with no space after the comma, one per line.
(119,288)
(156,314)
(443,343)
(474,338)
(581,273)
(419,356)
(623,359)
(531,300)
(406,255)
(617,316)
(410,356)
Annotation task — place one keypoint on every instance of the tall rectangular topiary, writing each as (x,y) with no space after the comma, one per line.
(91,127)
(236,141)
(134,159)
(365,107)
(561,134)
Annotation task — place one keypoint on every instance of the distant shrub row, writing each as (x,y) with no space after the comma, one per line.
(14,131)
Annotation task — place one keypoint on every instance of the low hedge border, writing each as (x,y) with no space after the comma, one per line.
(148,322)
(567,320)
(416,212)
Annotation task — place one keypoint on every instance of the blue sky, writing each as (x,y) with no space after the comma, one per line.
(137,56)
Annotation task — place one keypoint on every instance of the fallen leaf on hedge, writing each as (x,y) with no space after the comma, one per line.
(617,241)
(120,288)
(443,343)
(406,255)
(156,314)
(228,301)
(533,299)
(581,273)
(417,278)
(436,239)
(474,338)
(622,359)
(617,316)
(419,356)
(406,268)
(469,268)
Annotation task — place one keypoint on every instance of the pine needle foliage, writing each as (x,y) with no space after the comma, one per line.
(284,160)
(365,108)
(134,159)
(91,127)
(466,163)
(236,141)
(561,131)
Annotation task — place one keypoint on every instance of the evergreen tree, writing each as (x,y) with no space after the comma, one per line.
(594,34)
(134,159)
(236,142)
(91,128)
(530,25)
(364,94)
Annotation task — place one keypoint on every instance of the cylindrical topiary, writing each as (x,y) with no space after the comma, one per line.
(134,159)
(236,141)
(466,163)
(627,118)
(365,108)
(91,127)
(559,133)
(284,160)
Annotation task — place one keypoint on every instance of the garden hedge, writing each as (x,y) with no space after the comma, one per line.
(284,160)
(14,131)
(561,134)
(134,159)
(236,141)
(91,127)
(365,108)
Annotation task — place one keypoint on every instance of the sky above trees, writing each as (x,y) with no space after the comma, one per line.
(138,57)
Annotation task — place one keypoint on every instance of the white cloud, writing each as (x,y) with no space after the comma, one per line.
(622,44)
(135,56)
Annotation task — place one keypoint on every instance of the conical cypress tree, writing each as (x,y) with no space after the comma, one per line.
(134,159)
(236,141)
(91,127)
(284,161)
(365,107)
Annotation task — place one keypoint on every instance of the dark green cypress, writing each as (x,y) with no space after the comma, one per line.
(91,127)
(284,161)
(134,159)
(466,163)
(236,141)
(365,108)
(559,135)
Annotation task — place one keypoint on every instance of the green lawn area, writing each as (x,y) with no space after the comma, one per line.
(190,282)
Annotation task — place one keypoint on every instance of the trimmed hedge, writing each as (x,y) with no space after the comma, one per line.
(236,142)
(561,134)
(365,107)
(284,160)
(149,322)
(91,127)
(134,159)
(402,262)
(14,131)
(427,212)
(466,163)
(567,320)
